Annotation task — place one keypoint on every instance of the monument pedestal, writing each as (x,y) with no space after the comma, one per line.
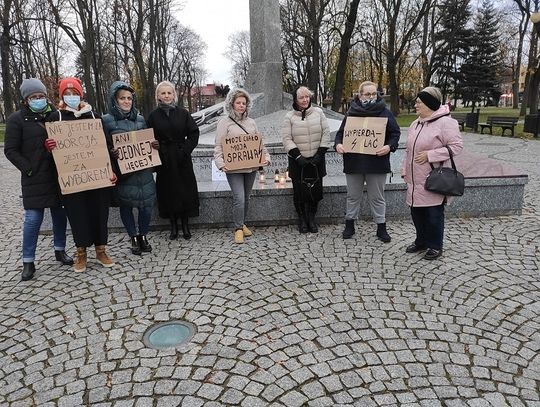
(492,188)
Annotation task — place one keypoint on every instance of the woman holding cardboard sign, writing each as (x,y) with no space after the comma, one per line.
(371,169)
(87,211)
(178,135)
(306,137)
(135,189)
(237,124)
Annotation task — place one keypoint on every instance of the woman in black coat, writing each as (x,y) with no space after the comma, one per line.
(178,135)
(24,147)
(368,169)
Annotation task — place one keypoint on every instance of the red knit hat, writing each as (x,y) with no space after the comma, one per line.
(70,83)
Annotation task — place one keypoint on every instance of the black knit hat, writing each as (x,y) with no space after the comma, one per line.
(429,100)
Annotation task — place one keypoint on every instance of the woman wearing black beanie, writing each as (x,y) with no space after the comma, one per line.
(427,142)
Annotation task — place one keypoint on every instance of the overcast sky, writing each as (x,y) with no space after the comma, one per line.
(214,21)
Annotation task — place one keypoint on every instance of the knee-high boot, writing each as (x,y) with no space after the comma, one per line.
(174,228)
(311,209)
(185,228)
(302,219)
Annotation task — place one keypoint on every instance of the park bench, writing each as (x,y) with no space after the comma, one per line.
(506,123)
(461,119)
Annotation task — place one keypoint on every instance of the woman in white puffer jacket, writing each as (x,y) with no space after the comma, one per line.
(306,137)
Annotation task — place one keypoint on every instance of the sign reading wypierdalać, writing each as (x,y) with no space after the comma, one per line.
(244,151)
(81,155)
(135,150)
(364,135)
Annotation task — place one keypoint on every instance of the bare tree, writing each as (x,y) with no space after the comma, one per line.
(6,40)
(344,49)
(238,52)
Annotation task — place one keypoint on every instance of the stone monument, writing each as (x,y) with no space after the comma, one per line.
(265,72)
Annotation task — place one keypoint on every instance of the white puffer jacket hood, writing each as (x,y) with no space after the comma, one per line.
(229,100)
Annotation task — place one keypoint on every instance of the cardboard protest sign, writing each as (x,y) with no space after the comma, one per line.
(244,151)
(364,135)
(81,155)
(135,150)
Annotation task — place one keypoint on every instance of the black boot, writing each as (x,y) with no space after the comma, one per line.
(28,271)
(143,244)
(382,234)
(302,221)
(311,212)
(349,231)
(63,258)
(174,229)
(135,248)
(185,228)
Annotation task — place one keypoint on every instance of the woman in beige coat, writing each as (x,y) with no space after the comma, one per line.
(306,137)
(237,123)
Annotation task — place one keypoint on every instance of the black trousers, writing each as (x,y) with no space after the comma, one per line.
(88,214)
(429,224)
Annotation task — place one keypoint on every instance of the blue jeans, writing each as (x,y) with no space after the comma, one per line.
(33,218)
(241,184)
(128,219)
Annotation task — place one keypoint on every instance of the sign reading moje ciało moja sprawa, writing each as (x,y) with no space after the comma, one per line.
(243,151)
(81,155)
(135,150)
(364,135)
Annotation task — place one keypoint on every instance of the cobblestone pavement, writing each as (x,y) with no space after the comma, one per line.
(285,319)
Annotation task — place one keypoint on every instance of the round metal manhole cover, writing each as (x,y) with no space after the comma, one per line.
(169,334)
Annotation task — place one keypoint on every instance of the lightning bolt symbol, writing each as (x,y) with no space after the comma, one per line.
(353,144)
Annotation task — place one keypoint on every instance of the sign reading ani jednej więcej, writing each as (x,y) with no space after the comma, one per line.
(244,151)
(81,155)
(364,135)
(135,150)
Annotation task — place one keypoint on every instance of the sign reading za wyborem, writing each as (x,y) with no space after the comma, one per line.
(364,135)
(81,155)
(135,150)
(244,151)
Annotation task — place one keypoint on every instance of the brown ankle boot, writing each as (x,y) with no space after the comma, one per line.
(102,257)
(79,265)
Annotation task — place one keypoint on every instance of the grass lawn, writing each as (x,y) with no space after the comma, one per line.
(404,119)
(2,132)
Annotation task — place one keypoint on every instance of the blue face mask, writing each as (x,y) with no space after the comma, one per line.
(37,105)
(72,101)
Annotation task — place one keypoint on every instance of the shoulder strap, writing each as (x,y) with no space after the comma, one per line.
(239,125)
(451,160)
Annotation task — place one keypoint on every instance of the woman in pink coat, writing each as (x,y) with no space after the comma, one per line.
(427,139)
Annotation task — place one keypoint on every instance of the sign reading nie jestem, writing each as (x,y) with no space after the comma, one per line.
(81,155)
(135,150)
(364,135)
(244,151)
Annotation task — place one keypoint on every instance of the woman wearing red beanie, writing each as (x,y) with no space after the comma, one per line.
(87,211)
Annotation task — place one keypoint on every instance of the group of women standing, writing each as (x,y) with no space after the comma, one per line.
(29,149)
(306,139)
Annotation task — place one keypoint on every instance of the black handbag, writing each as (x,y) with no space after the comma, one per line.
(444,180)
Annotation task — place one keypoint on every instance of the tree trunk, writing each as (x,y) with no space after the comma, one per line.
(344,48)
(517,69)
(7,95)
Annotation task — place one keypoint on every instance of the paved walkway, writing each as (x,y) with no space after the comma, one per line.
(285,319)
